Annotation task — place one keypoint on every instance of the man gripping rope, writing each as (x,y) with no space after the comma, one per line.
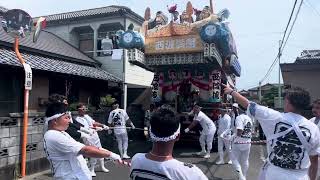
(293,141)
(63,152)
(234,113)
(224,123)
(118,118)
(75,130)
(208,130)
(159,164)
(93,140)
(241,145)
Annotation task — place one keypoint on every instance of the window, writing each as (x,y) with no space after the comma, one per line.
(11,94)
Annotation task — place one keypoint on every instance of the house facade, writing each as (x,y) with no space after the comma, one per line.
(304,72)
(57,67)
(88,29)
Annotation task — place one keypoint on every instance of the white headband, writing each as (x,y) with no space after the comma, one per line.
(47,119)
(164,139)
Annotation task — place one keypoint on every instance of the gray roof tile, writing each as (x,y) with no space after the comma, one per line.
(51,44)
(309,57)
(3,9)
(8,57)
(102,11)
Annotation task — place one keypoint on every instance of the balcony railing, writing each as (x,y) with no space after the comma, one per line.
(102,53)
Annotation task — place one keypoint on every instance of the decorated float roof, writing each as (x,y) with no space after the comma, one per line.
(185,33)
(192,37)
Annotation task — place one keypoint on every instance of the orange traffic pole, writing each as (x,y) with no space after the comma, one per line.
(25,115)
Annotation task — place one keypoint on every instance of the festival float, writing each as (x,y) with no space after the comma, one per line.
(191,55)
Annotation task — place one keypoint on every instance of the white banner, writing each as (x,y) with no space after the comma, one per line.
(28,76)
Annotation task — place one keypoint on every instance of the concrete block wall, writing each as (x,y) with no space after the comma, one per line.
(11,140)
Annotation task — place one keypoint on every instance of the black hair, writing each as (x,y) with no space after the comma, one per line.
(164,122)
(56,98)
(196,104)
(317,101)
(115,103)
(55,108)
(80,105)
(298,98)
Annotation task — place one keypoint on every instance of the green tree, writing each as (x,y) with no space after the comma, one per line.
(268,98)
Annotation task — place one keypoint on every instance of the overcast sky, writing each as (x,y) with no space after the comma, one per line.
(257,26)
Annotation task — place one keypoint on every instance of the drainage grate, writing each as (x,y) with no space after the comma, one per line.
(3,152)
(31,147)
(9,122)
(38,120)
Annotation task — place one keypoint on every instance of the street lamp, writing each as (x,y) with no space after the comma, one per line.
(18,24)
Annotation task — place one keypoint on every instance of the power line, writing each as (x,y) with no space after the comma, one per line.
(277,57)
(270,69)
(294,21)
(285,32)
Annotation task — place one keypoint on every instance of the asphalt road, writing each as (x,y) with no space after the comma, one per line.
(184,153)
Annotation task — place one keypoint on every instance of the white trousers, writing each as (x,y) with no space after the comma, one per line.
(206,139)
(318,173)
(271,172)
(223,143)
(240,158)
(122,140)
(94,140)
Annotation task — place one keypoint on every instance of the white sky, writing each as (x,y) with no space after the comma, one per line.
(257,26)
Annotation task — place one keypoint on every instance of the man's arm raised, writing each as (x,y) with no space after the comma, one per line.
(244,102)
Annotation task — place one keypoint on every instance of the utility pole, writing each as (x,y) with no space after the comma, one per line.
(259,93)
(211,6)
(279,83)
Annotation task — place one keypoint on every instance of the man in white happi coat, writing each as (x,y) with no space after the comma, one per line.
(207,133)
(63,152)
(159,163)
(234,113)
(93,140)
(316,121)
(293,141)
(119,118)
(224,124)
(241,144)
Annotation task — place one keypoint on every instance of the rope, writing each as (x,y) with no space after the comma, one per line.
(252,142)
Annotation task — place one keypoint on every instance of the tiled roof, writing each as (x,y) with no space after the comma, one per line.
(3,9)
(309,57)
(8,57)
(96,12)
(50,44)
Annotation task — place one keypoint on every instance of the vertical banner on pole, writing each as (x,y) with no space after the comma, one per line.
(156,87)
(216,86)
(28,76)
(210,87)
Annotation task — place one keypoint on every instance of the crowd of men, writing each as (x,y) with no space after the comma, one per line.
(293,142)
